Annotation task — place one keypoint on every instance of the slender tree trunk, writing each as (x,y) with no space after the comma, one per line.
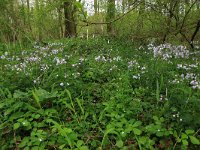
(95,6)
(198,5)
(70,26)
(141,17)
(28,15)
(110,16)
(194,34)
(38,21)
(168,22)
(14,21)
(59,11)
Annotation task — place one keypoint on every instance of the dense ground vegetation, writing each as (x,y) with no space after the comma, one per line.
(99,94)
(126,76)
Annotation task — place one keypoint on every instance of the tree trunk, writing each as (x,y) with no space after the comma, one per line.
(140,21)
(70,26)
(38,21)
(110,16)
(59,11)
(95,6)
(194,34)
(28,14)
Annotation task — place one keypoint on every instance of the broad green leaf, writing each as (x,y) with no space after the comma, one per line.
(185,142)
(189,132)
(2,105)
(137,131)
(137,123)
(119,143)
(62,146)
(78,5)
(184,136)
(16,126)
(143,140)
(83,148)
(37,116)
(24,142)
(79,143)
(194,140)
(155,118)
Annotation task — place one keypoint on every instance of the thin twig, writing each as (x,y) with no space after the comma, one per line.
(196,132)
(177,140)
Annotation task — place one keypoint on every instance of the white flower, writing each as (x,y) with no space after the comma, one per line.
(136,76)
(97,58)
(61,84)
(193,83)
(3,57)
(55,51)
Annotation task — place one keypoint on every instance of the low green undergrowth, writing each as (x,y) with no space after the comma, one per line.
(98,94)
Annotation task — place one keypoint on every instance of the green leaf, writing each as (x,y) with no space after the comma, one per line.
(137,123)
(16,115)
(189,132)
(80,105)
(157,91)
(78,5)
(108,131)
(62,146)
(185,142)
(143,140)
(119,143)
(79,143)
(16,126)
(155,118)
(184,136)
(194,140)
(19,94)
(83,148)
(2,105)
(37,116)
(24,142)
(137,131)
(36,98)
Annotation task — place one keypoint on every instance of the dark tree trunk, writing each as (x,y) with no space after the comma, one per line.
(110,16)
(70,26)
(194,34)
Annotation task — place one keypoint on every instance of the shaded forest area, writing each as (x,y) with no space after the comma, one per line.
(139,20)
